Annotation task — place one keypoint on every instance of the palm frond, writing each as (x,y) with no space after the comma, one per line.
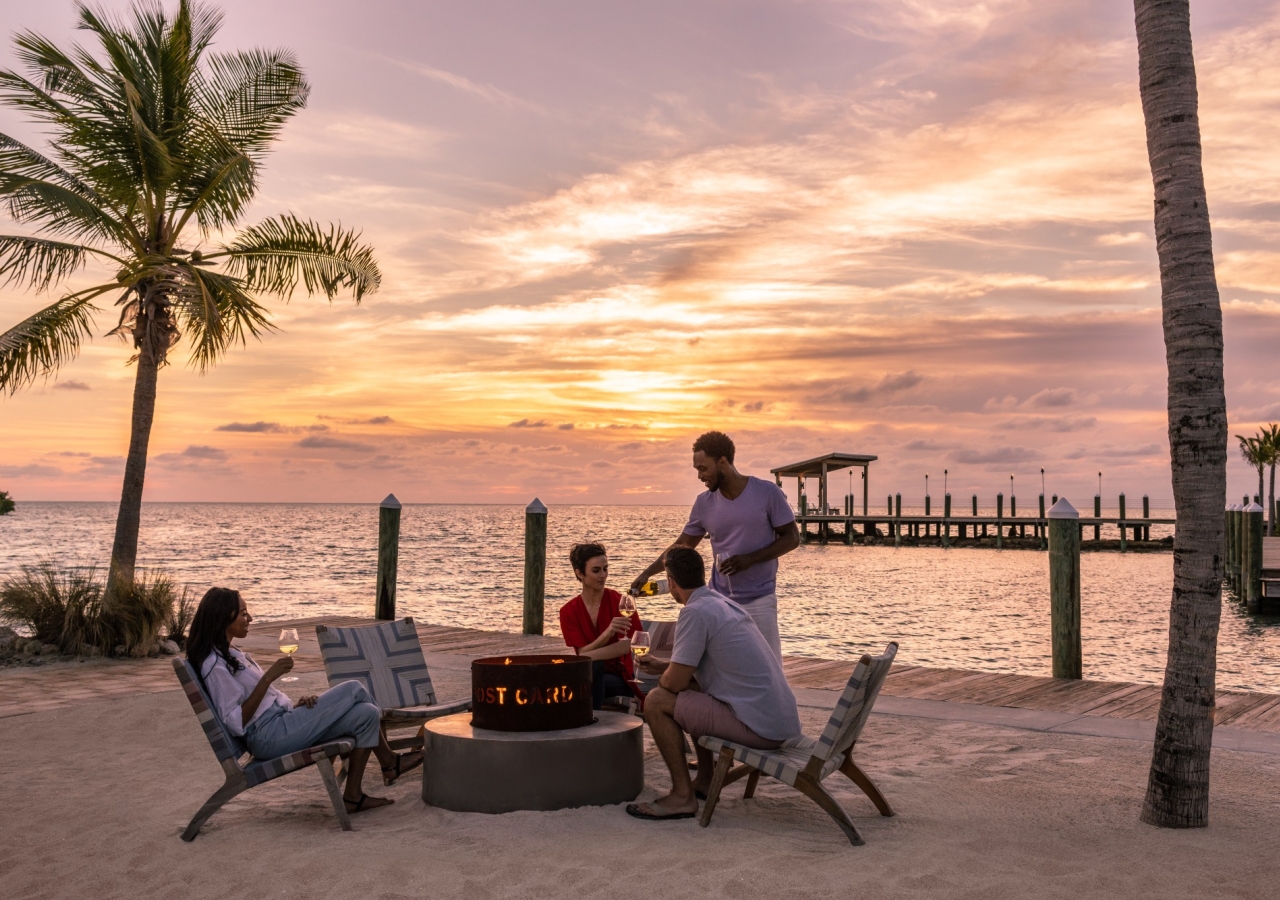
(275,254)
(215,312)
(249,95)
(41,344)
(38,263)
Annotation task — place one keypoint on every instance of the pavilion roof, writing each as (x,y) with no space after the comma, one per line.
(834,461)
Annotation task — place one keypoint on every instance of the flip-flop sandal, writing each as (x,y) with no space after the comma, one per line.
(359,804)
(633,809)
(391,773)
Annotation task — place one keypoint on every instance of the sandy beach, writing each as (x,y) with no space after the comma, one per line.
(96,795)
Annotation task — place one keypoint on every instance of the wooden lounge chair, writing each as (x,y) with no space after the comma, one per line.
(230,750)
(804,763)
(387,659)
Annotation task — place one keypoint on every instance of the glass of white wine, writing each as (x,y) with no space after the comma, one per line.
(639,645)
(627,606)
(289,645)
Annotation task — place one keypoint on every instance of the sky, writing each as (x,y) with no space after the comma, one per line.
(920,229)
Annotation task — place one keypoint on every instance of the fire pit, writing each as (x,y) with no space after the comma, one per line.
(531,693)
(532,741)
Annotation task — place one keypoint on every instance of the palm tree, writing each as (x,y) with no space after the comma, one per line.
(1178,785)
(1254,451)
(1269,437)
(157,145)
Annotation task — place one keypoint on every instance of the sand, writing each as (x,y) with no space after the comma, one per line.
(96,795)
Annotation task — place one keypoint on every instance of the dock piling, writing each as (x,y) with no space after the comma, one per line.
(1123,543)
(1040,526)
(535,565)
(946,523)
(897,520)
(1253,556)
(1000,521)
(388,557)
(1064,590)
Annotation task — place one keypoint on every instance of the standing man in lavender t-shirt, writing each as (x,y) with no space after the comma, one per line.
(750,525)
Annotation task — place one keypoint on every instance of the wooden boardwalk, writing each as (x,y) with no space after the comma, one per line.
(27,689)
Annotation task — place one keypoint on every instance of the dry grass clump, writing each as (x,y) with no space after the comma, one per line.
(67,608)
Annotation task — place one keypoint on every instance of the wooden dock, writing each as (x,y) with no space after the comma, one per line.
(25,690)
(961,531)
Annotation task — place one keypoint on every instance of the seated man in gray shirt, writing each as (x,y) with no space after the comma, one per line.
(740,694)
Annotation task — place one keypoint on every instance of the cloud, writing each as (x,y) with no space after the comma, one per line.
(996,455)
(269,428)
(885,387)
(567,426)
(71,385)
(919,444)
(1050,423)
(525,423)
(31,470)
(200,451)
(321,442)
(1053,397)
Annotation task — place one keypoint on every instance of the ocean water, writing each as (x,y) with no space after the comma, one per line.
(463,565)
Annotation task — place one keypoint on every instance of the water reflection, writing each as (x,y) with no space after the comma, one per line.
(460,565)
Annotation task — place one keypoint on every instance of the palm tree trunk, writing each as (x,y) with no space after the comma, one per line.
(1178,785)
(1261,469)
(124,550)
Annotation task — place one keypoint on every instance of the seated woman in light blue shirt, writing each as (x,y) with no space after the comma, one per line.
(271,725)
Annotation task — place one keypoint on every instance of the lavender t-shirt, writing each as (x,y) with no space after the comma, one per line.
(742,525)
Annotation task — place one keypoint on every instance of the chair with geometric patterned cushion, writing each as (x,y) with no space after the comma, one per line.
(387,659)
(240,776)
(803,762)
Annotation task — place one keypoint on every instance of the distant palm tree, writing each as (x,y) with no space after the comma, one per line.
(155,154)
(1270,439)
(1178,785)
(1254,451)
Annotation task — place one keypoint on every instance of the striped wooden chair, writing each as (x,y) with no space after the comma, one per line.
(242,775)
(387,659)
(804,763)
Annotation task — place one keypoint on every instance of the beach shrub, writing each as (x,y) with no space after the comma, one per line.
(67,607)
(184,608)
(6,503)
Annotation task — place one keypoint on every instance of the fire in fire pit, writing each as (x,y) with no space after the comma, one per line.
(531,693)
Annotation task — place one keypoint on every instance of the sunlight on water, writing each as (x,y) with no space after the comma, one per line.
(459,565)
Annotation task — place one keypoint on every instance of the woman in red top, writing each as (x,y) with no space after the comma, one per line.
(593,627)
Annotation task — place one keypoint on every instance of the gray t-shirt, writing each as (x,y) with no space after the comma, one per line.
(742,525)
(735,665)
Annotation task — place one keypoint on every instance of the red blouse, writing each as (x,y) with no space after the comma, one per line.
(579,630)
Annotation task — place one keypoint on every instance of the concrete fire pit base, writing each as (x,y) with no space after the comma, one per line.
(476,770)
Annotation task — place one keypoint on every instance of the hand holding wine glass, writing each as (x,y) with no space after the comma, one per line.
(640,645)
(289,646)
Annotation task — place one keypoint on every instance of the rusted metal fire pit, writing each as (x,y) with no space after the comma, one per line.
(532,741)
(531,693)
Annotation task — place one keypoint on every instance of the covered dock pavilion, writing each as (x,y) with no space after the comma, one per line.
(820,467)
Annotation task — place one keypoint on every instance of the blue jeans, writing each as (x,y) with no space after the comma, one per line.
(344,710)
(605,684)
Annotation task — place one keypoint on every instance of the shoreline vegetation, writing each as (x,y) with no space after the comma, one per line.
(69,615)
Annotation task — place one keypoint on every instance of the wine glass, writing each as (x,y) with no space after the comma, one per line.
(627,607)
(639,645)
(289,645)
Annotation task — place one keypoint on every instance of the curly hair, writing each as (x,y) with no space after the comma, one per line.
(715,444)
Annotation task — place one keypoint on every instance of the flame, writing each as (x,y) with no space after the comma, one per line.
(557,660)
(507,661)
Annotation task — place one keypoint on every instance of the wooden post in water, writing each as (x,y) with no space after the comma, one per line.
(1123,545)
(1230,540)
(1253,556)
(946,520)
(535,565)
(1064,590)
(388,557)
(897,520)
(1237,550)
(999,520)
(1146,514)
(1097,514)
(1041,526)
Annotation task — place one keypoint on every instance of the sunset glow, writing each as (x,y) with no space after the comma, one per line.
(921,230)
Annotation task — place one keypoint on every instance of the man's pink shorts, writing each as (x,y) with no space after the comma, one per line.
(701,714)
